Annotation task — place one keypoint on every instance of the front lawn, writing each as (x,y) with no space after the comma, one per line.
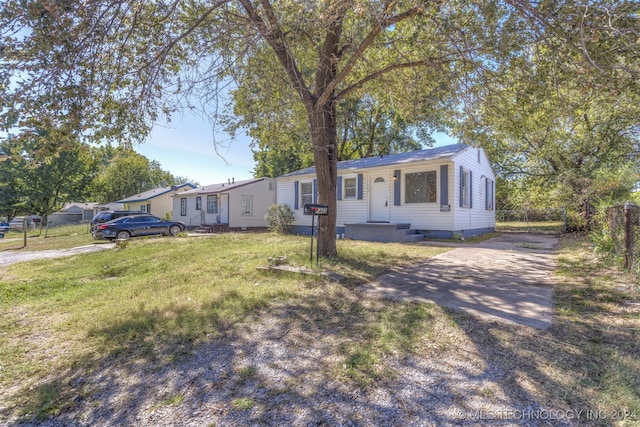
(145,308)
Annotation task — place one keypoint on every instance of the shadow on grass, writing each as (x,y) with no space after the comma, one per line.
(328,358)
(587,365)
(333,357)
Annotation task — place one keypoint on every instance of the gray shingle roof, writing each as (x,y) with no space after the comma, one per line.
(221,187)
(148,195)
(446,151)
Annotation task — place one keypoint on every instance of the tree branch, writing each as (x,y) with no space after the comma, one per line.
(388,69)
(362,47)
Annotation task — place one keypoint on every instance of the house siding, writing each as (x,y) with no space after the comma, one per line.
(262,198)
(425,216)
(161,205)
(422,216)
(476,217)
(263,194)
(440,218)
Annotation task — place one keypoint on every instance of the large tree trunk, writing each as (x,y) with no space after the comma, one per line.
(324,139)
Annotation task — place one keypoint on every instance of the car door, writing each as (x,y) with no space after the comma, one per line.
(137,225)
(157,226)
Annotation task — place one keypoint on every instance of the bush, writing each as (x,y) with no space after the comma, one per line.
(279,218)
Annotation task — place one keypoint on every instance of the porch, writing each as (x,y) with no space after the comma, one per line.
(382,232)
(213,228)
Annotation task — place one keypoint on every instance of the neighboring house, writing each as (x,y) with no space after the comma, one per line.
(235,205)
(108,207)
(72,213)
(438,192)
(157,202)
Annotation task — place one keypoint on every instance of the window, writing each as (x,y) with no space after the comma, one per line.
(198,203)
(183,207)
(350,188)
(143,208)
(212,204)
(465,191)
(306,193)
(247,205)
(420,187)
(489,185)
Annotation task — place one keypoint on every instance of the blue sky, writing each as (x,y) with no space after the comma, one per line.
(186,148)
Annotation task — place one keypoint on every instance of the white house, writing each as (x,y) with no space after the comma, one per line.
(157,202)
(234,205)
(436,192)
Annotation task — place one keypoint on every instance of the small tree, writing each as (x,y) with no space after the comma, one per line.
(279,218)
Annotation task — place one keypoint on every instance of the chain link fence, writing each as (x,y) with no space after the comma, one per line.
(550,220)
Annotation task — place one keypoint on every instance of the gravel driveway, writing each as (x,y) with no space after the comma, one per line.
(12,257)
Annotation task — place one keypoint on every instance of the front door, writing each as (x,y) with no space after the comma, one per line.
(224,209)
(379,198)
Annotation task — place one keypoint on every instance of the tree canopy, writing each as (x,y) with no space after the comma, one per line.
(107,69)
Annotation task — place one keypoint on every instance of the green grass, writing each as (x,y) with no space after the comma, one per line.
(60,237)
(157,296)
(532,226)
(243,403)
(155,301)
(398,329)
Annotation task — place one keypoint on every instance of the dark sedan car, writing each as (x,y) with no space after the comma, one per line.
(138,225)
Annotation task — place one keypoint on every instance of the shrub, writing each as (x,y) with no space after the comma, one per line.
(279,218)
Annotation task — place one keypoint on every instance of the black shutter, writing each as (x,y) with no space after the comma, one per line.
(396,187)
(444,185)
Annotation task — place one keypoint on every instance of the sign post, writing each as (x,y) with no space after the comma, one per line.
(314,210)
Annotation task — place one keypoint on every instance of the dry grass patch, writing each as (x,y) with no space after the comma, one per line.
(152,302)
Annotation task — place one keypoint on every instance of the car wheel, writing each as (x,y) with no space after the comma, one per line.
(175,230)
(122,235)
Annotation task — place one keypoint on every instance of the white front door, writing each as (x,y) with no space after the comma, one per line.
(379,198)
(224,209)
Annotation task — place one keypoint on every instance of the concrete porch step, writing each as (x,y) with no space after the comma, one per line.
(382,232)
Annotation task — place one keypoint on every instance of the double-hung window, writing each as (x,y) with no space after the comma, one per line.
(420,187)
(489,194)
(247,205)
(465,189)
(306,193)
(350,186)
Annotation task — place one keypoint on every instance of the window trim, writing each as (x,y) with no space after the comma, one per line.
(303,194)
(242,205)
(466,188)
(345,178)
(183,206)
(489,196)
(432,196)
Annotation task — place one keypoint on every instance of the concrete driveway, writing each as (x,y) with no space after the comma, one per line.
(507,278)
